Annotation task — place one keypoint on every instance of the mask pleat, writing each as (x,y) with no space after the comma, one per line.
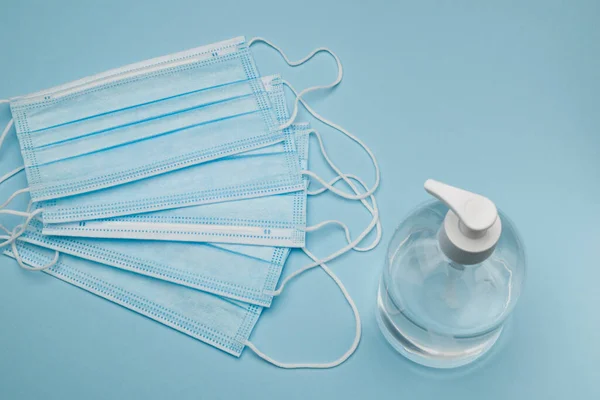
(131,92)
(173,125)
(137,114)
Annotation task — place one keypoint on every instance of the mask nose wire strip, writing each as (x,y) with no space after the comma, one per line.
(343,358)
(300,62)
(344,226)
(5,131)
(351,137)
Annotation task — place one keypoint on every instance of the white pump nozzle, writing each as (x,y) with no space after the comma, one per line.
(471,228)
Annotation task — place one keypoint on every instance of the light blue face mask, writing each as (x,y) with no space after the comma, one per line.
(222,323)
(143,119)
(246,273)
(278,220)
(233,178)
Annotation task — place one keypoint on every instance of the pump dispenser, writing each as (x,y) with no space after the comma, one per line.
(453,274)
(471,227)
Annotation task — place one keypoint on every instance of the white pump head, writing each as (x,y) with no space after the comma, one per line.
(471,228)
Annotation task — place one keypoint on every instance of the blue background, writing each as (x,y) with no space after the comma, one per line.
(497,97)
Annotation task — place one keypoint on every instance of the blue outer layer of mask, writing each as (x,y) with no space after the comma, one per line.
(143,120)
(229,179)
(278,220)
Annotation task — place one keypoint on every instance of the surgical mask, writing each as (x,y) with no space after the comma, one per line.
(143,120)
(229,179)
(222,323)
(245,273)
(278,220)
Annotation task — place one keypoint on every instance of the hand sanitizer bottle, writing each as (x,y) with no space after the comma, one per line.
(453,274)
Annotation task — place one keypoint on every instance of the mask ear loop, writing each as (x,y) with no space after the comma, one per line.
(371,208)
(330,257)
(350,136)
(16,253)
(375,212)
(22,264)
(20,229)
(13,196)
(345,177)
(299,99)
(5,132)
(346,355)
(11,174)
(300,62)
(358,328)
(18,192)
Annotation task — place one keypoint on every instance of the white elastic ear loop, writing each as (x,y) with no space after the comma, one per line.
(356,196)
(5,132)
(12,197)
(347,354)
(330,257)
(22,264)
(346,179)
(349,135)
(37,217)
(11,174)
(3,228)
(298,98)
(372,209)
(11,238)
(18,231)
(300,62)
(331,222)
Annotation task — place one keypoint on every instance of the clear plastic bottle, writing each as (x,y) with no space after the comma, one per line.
(447,290)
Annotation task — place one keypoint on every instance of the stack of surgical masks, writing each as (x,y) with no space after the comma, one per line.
(177,187)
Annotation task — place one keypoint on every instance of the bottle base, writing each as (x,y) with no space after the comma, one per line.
(425,348)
